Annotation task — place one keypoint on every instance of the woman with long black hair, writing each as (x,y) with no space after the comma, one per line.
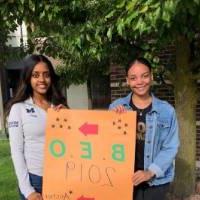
(27,112)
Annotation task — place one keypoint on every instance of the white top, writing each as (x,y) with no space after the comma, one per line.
(26,126)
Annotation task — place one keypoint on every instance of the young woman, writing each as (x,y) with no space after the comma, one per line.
(37,91)
(157,138)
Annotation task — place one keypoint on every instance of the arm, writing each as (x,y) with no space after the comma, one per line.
(16,137)
(168,150)
(164,158)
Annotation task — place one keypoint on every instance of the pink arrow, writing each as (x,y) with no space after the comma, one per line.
(85,198)
(87,129)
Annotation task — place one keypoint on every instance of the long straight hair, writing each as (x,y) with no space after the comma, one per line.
(24,90)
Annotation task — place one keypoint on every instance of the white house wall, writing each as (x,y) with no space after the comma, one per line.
(77,96)
(21,32)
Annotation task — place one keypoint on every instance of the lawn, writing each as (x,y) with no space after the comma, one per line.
(8,183)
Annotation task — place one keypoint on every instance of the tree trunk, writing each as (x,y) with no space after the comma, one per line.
(186,94)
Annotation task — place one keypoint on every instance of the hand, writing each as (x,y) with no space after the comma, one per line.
(35,196)
(58,107)
(141,176)
(119,109)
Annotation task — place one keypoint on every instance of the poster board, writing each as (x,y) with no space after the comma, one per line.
(89,155)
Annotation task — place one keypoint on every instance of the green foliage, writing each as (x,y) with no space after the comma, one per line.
(74,32)
(10,19)
(85,34)
(88,35)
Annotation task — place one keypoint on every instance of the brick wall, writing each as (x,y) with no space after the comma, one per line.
(165,92)
(118,82)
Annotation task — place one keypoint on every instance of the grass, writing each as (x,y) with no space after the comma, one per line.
(3,134)
(8,183)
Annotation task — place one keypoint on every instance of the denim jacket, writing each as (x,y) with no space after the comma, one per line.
(161,139)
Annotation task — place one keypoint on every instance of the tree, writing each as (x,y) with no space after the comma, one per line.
(176,22)
(89,35)
(71,31)
(8,24)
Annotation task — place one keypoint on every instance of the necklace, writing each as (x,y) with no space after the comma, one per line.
(140,112)
(145,107)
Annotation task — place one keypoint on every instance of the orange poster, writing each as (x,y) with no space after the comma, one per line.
(89,155)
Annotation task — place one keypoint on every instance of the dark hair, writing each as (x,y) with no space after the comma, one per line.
(24,90)
(140,60)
